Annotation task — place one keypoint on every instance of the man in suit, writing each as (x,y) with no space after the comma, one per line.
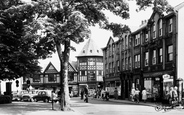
(86,92)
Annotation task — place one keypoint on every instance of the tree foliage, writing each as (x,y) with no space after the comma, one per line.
(19,54)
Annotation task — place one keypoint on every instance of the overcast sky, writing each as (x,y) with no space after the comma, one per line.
(101,37)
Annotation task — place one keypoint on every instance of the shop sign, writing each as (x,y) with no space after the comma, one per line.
(166,76)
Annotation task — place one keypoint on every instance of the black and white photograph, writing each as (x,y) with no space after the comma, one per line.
(91,57)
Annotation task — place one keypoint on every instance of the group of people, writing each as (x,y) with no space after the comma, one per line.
(85,94)
(172,94)
(135,95)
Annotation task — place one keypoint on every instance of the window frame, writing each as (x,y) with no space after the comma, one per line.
(146,63)
(160,27)
(170,25)
(170,53)
(154,30)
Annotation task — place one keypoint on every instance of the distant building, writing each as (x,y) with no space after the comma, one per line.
(117,65)
(50,78)
(90,65)
(7,85)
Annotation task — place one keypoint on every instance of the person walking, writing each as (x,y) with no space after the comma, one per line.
(86,92)
(144,95)
(115,93)
(175,91)
(137,95)
(133,94)
(82,94)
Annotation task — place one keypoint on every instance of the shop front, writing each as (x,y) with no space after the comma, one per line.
(157,85)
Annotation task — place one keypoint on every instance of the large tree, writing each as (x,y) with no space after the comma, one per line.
(52,24)
(18,54)
(63,21)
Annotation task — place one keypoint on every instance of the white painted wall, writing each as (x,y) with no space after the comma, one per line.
(14,88)
(180,67)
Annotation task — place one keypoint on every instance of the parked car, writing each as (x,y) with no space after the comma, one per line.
(29,95)
(17,95)
(45,96)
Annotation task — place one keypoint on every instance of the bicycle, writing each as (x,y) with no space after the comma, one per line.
(167,106)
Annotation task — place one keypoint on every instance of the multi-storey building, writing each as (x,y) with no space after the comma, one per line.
(156,53)
(90,66)
(117,60)
(152,58)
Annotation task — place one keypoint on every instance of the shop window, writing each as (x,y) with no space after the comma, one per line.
(152,86)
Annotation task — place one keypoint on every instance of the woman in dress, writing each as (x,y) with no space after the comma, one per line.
(144,95)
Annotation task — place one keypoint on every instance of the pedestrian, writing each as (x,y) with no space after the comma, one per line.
(115,93)
(82,94)
(144,95)
(102,93)
(86,92)
(132,95)
(175,93)
(137,95)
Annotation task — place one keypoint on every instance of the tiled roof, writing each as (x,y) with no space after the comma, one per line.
(90,49)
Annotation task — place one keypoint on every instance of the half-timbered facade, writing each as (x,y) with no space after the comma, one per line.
(50,78)
(90,65)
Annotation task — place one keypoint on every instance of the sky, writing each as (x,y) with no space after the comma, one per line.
(101,37)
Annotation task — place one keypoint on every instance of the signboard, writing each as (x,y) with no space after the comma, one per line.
(166,76)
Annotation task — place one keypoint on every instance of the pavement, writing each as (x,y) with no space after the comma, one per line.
(74,111)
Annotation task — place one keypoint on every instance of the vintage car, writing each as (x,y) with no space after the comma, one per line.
(29,95)
(45,96)
(17,95)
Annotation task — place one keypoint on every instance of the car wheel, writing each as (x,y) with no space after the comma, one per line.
(46,100)
(35,100)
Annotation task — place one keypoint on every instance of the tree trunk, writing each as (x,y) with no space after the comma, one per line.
(59,51)
(66,56)
(64,59)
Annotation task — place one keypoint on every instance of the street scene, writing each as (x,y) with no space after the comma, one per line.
(91,57)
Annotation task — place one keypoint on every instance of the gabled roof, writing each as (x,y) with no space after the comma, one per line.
(90,49)
(113,39)
(50,69)
(71,67)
